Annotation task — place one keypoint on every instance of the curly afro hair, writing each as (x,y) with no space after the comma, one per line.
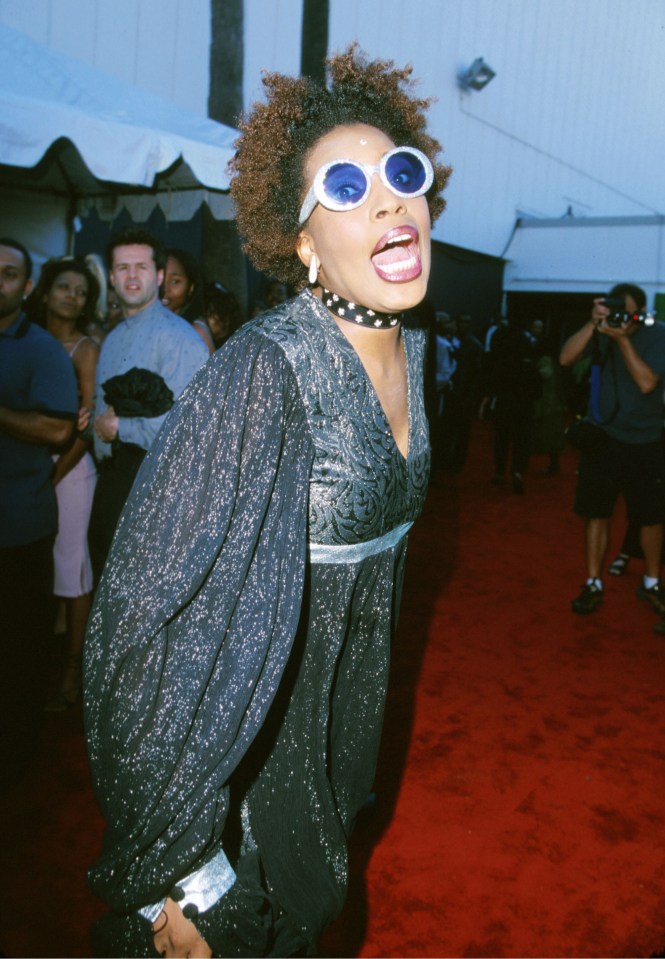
(268,168)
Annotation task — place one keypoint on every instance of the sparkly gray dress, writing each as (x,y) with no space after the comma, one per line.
(238,649)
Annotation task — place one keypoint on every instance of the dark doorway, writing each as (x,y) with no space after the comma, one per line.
(462,281)
(562,313)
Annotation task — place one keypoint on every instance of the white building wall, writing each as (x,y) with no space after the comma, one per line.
(158,45)
(573,117)
(272,42)
(587,255)
(572,120)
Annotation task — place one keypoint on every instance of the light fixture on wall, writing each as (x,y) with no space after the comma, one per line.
(477,76)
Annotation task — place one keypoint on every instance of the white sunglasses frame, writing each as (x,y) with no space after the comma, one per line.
(317,194)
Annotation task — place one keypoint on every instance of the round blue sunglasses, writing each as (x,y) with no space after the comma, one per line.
(345,184)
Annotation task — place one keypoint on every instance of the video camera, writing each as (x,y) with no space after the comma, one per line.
(619,316)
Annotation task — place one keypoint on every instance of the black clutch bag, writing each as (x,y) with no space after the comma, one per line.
(138,392)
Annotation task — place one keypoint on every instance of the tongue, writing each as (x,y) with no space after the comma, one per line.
(392,254)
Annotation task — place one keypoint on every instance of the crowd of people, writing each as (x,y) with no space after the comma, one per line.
(607,379)
(66,477)
(511,377)
(228,528)
(119,319)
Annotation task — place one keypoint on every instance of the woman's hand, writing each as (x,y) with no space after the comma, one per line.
(176,937)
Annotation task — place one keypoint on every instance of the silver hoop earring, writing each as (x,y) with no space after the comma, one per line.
(313,269)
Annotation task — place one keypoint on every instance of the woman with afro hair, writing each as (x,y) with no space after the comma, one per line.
(237,658)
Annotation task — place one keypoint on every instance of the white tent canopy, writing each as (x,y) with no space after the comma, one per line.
(586,254)
(70,132)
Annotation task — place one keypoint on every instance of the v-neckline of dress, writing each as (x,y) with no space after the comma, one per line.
(348,348)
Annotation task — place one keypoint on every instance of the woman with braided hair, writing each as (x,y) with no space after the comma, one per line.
(237,657)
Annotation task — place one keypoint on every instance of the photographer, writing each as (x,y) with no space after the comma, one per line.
(623,451)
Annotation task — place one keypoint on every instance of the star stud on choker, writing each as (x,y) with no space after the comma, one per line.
(362,315)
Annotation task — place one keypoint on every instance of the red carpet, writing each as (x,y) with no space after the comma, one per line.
(520,805)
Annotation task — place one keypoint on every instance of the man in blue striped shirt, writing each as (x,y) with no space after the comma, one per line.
(150,338)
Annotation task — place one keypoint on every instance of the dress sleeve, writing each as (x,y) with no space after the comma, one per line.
(195,616)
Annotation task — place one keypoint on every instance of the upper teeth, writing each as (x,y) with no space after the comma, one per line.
(406,237)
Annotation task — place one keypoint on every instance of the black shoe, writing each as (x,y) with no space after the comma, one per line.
(619,565)
(655,595)
(518,483)
(589,600)
(497,480)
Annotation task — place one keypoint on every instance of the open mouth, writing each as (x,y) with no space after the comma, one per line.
(396,257)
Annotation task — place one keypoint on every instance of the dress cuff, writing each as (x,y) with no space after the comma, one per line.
(199,890)
(152,912)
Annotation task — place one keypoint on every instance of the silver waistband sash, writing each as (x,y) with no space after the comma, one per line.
(356,552)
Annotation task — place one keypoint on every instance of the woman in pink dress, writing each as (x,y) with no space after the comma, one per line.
(66,296)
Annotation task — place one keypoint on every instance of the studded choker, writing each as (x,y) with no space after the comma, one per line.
(360,315)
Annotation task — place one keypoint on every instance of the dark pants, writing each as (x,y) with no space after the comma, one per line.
(114,484)
(26,623)
(458,417)
(636,470)
(512,424)
(631,545)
